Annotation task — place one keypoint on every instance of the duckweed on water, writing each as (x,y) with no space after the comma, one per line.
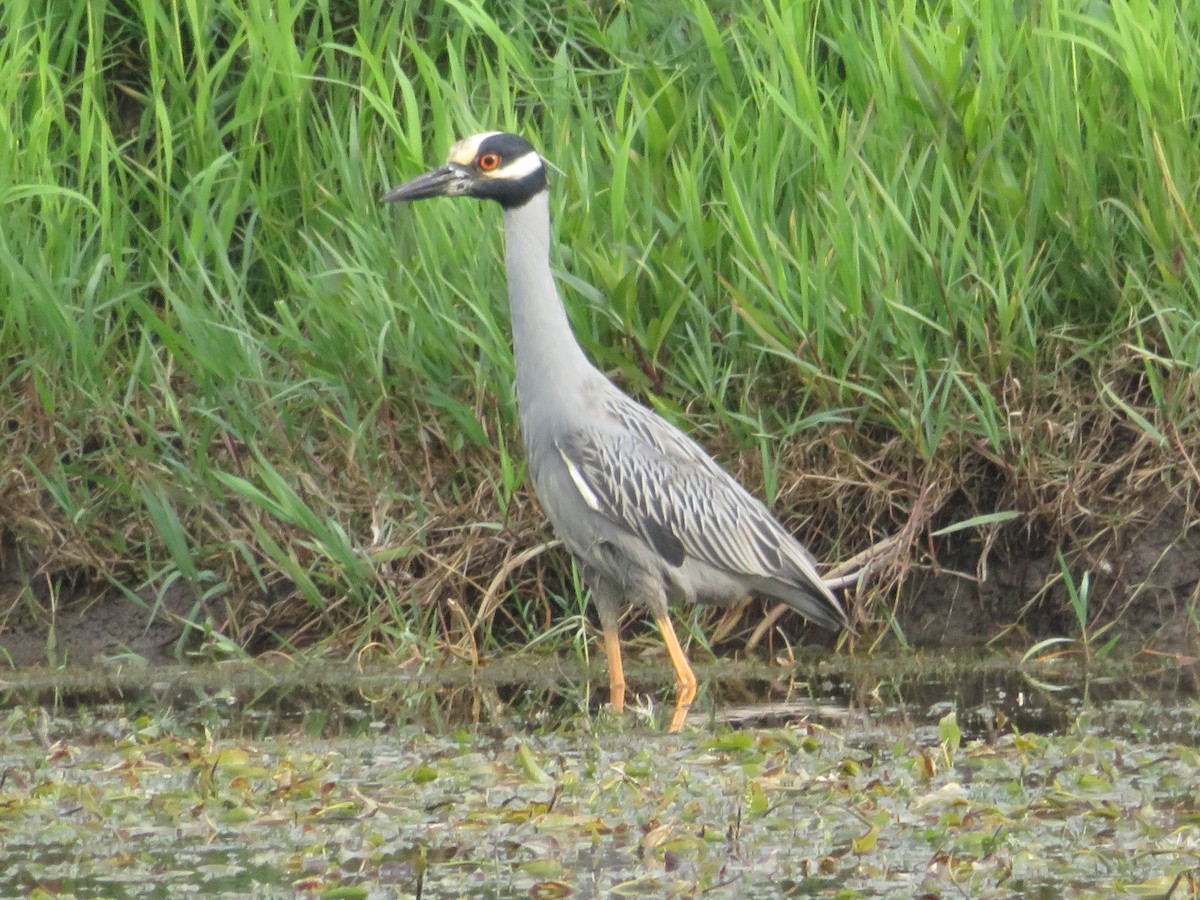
(137,807)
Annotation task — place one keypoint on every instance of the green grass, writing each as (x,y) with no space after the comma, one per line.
(941,240)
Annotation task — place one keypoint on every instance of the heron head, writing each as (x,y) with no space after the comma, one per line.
(494,165)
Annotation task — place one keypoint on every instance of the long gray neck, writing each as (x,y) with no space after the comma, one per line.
(549,361)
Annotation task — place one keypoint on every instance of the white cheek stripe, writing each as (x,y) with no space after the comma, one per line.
(519,168)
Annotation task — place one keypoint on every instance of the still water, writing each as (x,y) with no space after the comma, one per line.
(943,774)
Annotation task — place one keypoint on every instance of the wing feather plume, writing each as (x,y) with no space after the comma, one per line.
(649,478)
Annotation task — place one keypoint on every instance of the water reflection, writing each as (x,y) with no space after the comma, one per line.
(871,696)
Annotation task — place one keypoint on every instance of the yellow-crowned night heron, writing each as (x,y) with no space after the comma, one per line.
(647,514)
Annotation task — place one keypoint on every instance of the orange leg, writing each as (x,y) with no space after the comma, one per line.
(616,671)
(684,675)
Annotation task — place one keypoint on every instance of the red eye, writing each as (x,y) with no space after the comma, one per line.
(488,162)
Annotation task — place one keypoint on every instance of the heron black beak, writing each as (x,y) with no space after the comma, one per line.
(447,180)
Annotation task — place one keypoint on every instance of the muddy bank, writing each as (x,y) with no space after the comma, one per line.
(1142,580)
(79,622)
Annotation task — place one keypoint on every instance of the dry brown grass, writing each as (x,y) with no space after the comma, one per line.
(453,572)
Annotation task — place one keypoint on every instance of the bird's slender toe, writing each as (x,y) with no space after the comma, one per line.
(684,676)
(616,670)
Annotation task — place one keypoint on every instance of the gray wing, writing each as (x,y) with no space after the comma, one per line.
(646,476)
